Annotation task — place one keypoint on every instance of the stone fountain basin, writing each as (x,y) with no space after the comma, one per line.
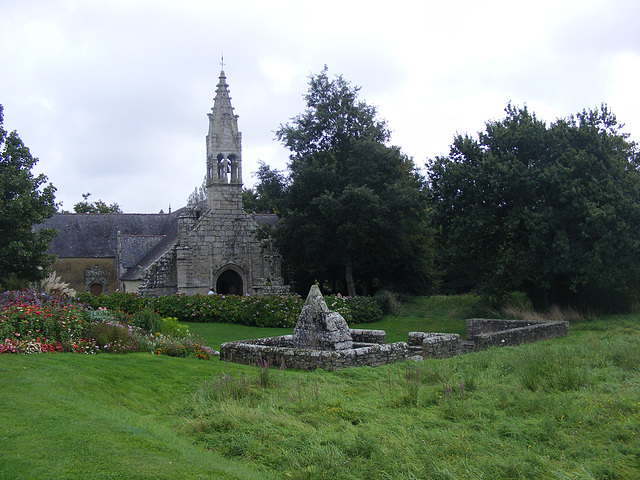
(369,349)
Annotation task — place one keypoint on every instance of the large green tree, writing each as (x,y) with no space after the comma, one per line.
(550,210)
(25,200)
(352,208)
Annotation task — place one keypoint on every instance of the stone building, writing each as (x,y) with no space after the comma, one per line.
(211,245)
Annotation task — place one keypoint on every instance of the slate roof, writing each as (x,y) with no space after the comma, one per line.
(96,235)
(134,248)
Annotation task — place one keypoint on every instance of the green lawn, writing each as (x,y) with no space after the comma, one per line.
(562,409)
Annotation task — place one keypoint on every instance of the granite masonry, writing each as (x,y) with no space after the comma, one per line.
(322,339)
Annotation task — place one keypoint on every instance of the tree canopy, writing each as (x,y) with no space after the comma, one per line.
(268,194)
(553,211)
(352,208)
(25,200)
(98,206)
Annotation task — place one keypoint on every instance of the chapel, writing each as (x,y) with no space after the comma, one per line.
(211,246)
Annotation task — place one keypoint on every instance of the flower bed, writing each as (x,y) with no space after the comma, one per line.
(33,322)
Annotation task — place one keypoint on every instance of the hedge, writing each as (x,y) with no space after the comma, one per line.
(254,310)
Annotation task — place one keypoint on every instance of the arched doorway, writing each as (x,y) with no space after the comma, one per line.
(229,283)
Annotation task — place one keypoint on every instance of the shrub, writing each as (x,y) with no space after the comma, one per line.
(388,301)
(189,346)
(254,310)
(170,326)
(146,319)
(112,337)
(129,303)
(355,309)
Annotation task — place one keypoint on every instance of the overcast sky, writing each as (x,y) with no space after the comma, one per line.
(112,95)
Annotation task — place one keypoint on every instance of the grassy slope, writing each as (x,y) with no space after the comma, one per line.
(566,408)
(106,416)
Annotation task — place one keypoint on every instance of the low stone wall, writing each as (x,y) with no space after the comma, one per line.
(368,336)
(434,345)
(486,332)
(371,350)
(278,352)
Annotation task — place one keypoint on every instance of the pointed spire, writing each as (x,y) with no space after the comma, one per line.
(224,141)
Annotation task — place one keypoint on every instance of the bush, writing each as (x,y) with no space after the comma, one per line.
(253,310)
(112,337)
(170,326)
(159,344)
(146,319)
(355,310)
(129,303)
(388,301)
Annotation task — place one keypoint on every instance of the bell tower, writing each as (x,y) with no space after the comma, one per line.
(224,154)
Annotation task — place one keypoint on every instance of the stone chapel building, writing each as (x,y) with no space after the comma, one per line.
(211,245)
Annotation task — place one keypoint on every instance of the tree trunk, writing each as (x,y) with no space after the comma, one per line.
(351,286)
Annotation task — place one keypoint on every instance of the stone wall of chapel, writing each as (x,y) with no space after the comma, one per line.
(161,277)
(216,242)
(74,271)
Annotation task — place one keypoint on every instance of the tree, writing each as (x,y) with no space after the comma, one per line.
(269,192)
(95,207)
(199,194)
(351,207)
(553,211)
(25,200)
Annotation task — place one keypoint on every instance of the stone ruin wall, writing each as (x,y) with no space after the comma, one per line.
(483,333)
(278,352)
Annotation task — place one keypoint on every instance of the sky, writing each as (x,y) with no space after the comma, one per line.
(112,96)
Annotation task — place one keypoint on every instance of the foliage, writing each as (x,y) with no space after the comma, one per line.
(112,337)
(129,303)
(25,201)
(170,326)
(38,322)
(171,346)
(355,309)
(95,207)
(199,194)
(388,301)
(146,319)
(270,310)
(258,310)
(352,209)
(268,193)
(49,321)
(52,283)
(553,211)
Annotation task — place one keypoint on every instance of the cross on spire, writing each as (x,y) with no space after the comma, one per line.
(222,62)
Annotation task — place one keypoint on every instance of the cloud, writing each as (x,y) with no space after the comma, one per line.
(112,96)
